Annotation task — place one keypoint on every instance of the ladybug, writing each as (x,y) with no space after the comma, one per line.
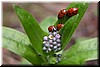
(72,11)
(59,26)
(51,28)
(62,13)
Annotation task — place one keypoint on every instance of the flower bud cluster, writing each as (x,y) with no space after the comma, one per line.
(52,42)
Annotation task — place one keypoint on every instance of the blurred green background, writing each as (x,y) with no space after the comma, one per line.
(88,27)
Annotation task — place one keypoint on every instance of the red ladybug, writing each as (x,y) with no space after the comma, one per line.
(51,28)
(72,11)
(62,13)
(59,26)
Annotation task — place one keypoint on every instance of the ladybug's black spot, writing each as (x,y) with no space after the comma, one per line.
(61,12)
(73,13)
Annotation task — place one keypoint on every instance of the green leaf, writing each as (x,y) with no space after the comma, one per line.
(32,28)
(47,22)
(81,52)
(82,7)
(24,61)
(70,26)
(68,29)
(19,43)
(15,35)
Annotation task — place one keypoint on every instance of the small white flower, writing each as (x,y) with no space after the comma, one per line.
(50,41)
(51,45)
(44,48)
(54,33)
(55,43)
(47,45)
(58,40)
(58,59)
(51,36)
(58,44)
(55,50)
(58,48)
(45,38)
(55,47)
(54,39)
(49,49)
(44,42)
(57,36)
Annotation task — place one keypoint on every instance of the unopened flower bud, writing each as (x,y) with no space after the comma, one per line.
(57,36)
(45,38)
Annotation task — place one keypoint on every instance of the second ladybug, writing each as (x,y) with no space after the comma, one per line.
(62,13)
(59,26)
(51,28)
(72,11)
